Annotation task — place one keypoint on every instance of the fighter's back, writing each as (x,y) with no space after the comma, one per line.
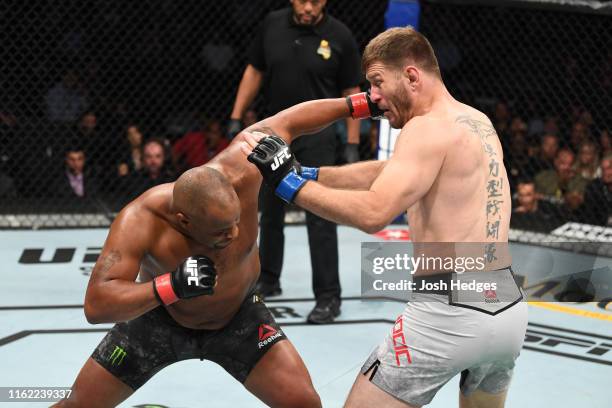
(469,201)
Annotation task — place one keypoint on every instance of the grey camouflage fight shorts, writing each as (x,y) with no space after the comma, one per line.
(432,341)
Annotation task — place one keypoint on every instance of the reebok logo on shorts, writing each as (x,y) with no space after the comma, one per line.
(267,334)
(399,342)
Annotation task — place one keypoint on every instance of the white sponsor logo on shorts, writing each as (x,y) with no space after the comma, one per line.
(269,339)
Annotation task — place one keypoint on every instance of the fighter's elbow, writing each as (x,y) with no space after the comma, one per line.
(371,229)
(94,313)
(372,224)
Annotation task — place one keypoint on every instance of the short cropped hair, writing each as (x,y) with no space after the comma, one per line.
(398,46)
(524,181)
(73,148)
(155,140)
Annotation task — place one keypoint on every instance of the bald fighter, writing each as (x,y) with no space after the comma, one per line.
(447,173)
(177,274)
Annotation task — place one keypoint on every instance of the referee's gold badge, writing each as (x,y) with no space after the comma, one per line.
(324,50)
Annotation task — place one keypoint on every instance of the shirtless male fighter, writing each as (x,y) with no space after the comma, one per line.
(447,172)
(203,228)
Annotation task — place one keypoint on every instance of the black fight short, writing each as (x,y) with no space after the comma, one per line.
(136,350)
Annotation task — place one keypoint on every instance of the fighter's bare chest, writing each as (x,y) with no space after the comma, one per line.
(167,253)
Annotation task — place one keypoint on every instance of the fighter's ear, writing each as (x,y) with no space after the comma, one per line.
(412,73)
(182,218)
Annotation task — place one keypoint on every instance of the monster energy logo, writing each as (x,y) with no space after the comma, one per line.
(118,355)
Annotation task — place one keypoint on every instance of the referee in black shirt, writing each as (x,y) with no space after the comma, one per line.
(299,54)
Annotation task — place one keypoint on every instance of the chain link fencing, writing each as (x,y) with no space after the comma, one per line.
(543,74)
(115,86)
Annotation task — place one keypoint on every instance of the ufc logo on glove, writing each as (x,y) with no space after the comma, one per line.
(280,158)
(192,269)
(279,169)
(196,276)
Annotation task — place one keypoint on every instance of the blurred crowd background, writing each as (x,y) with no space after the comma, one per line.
(100,101)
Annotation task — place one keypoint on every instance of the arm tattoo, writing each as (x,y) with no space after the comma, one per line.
(107,261)
(494,184)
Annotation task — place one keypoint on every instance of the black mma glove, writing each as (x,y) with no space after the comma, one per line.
(279,168)
(196,276)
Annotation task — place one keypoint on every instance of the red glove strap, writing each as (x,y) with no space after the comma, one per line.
(164,289)
(360,106)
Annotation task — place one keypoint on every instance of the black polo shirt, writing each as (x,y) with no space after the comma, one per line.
(302,63)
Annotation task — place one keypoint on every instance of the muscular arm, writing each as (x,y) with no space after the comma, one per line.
(304,118)
(112,293)
(356,176)
(247,90)
(405,178)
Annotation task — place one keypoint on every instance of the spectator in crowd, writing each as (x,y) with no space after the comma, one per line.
(551,125)
(76,182)
(597,208)
(531,213)
(132,153)
(66,100)
(190,150)
(101,153)
(86,126)
(154,170)
(545,157)
(516,154)
(299,54)
(197,147)
(579,134)
(586,118)
(587,164)
(562,184)
(518,129)
(215,140)
(605,142)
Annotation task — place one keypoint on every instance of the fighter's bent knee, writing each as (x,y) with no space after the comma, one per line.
(308,398)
